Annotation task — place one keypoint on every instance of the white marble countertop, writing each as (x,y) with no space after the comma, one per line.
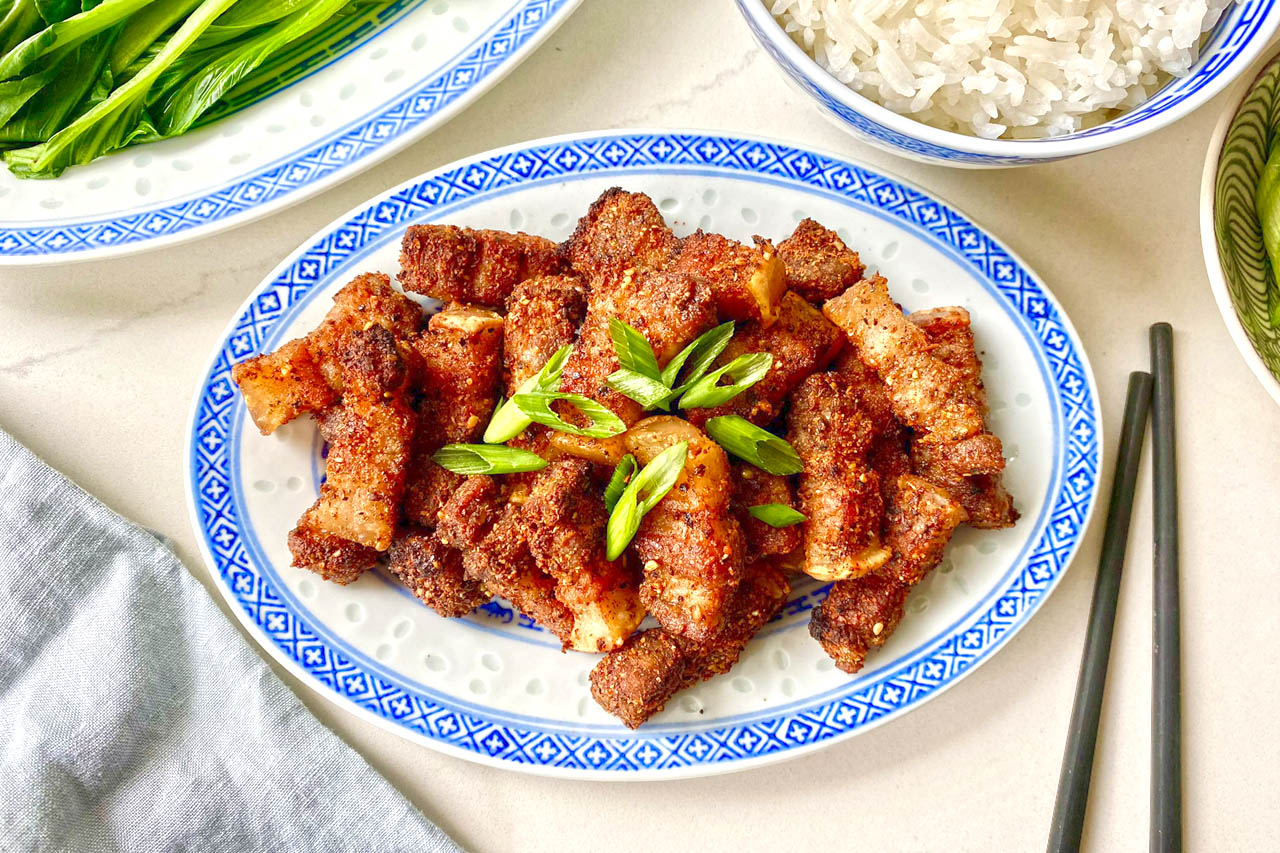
(98,364)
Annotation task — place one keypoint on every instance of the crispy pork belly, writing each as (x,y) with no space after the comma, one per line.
(305,375)
(433,572)
(753,487)
(872,394)
(928,395)
(747,281)
(467,265)
(669,309)
(838,493)
(332,557)
(636,681)
(819,266)
(461,362)
(690,545)
(566,517)
(543,314)
(802,342)
(471,511)
(919,522)
(369,436)
(620,230)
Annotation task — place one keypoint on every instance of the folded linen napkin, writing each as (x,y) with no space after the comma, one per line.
(134,716)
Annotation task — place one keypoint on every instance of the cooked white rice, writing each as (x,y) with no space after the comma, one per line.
(1016,69)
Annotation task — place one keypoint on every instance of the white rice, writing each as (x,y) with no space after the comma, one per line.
(1016,69)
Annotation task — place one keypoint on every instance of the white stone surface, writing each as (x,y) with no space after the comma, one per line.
(98,364)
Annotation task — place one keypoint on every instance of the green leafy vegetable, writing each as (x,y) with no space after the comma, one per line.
(776,515)
(20,21)
(700,355)
(634,352)
(74,30)
(1267,200)
(744,371)
(536,406)
(649,393)
(752,444)
(641,495)
(487,459)
(621,476)
(508,421)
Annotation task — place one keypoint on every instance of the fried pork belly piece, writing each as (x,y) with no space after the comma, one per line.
(970,469)
(838,493)
(919,521)
(690,544)
(543,314)
(369,436)
(928,395)
(333,558)
(670,309)
(304,375)
(636,681)
(478,267)
(802,342)
(470,512)
(819,266)
(461,362)
(566,517)
(872,394)
(620,230)
(747,281)
(753,487)
(433,572)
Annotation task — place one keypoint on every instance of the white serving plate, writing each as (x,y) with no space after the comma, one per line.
(492,687)
(426,62)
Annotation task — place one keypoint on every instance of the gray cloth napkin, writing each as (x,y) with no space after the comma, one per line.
(134,716)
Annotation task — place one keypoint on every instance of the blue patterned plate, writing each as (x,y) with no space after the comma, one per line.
(418,65)
(495,688)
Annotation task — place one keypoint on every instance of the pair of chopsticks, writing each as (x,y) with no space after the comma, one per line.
(1147,392)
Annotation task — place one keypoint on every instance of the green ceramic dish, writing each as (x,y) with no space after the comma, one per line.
(1242,279)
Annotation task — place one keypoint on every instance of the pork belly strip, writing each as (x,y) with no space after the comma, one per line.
(477,267)
(801,341)
(620,230)
(753,487)
(636,681)
(543,314)
(304,375)
(819,266)
(368,435)
(433,572)
(838,493)
(747,281)
(927,394)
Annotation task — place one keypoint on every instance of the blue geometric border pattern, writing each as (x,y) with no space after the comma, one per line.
(350,145)
(868,699)
(1239,26)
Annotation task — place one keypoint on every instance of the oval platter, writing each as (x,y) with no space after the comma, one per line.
(493,687)
(417,65)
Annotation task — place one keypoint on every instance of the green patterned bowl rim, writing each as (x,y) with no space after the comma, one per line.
(1243,283)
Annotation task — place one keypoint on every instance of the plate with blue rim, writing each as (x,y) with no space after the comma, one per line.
(412,66)
(494,687)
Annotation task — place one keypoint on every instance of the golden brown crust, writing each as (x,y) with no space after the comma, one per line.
(543,314)
(753,487)
(619,230)
(333,558)
(747,281)
(433,572)
(819,266)
(478,267)
(856,616)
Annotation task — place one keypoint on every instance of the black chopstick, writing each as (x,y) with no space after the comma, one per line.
(1082,736)
(1166,651)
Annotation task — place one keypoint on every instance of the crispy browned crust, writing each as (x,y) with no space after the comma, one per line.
(919,522)
(802,342)
(747,281)
(471,511)
(950,332)
(753,487)
(819,266)
(872,394)
(433,572)
(566,517)
(333,558)
(367,300)
(670,309)
(856,616)
(543,314)
(636,681)
(619,230)
(928,395)
(478,267)
(838,493)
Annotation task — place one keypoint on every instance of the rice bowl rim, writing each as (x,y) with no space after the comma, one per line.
(1033,149)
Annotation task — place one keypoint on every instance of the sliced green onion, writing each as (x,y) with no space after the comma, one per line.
(777,515)
(649,393)
(621,476)
(641,495)
(634,352)
(752,444)
(700,355)
(508,421)
(744,371)
(536,406)
(487,459)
